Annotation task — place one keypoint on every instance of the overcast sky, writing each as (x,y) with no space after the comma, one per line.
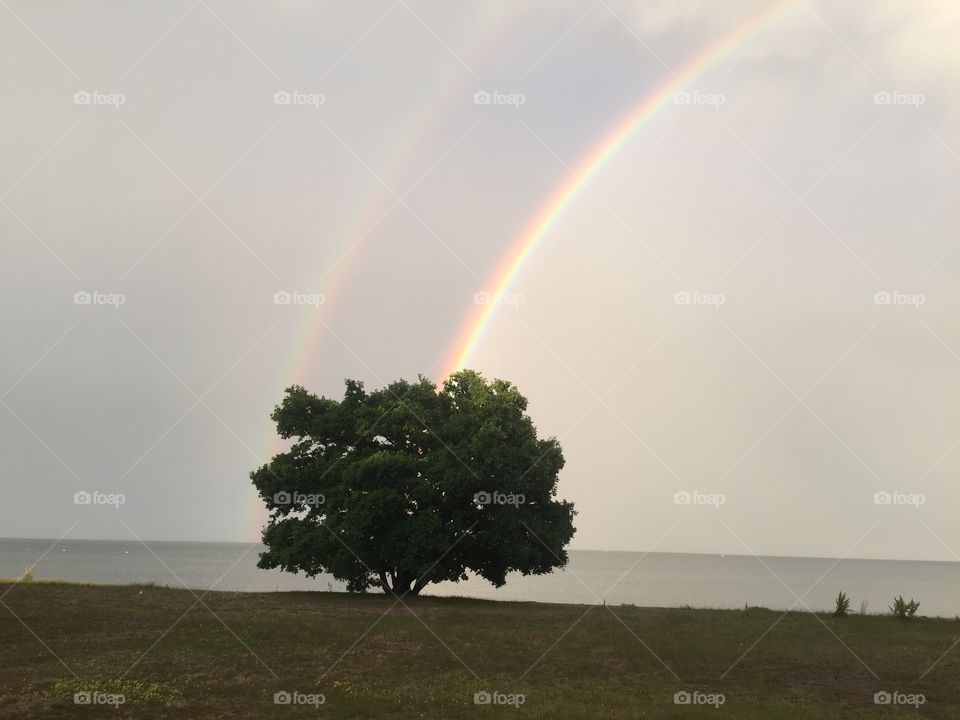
(147,163)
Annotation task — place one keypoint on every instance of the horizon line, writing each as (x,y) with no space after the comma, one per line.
(54,542)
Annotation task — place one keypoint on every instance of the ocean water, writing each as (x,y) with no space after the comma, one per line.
(593,577)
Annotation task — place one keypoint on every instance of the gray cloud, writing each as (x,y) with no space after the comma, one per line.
(396,198)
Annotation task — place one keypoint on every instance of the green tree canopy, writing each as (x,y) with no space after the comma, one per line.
(409,485)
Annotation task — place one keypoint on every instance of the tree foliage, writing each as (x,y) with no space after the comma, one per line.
(409,485)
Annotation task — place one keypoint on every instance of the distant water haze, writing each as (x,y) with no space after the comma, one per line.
(592,577)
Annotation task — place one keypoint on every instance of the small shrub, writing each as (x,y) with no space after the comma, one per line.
(843,605)
(903,609)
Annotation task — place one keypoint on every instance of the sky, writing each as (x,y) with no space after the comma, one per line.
(742,328)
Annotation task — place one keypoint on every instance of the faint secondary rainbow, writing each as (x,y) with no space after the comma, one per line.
(547,217)
(455,87)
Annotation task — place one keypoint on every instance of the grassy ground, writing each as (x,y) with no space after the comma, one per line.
(227,656)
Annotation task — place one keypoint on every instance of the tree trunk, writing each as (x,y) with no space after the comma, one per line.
(400,585)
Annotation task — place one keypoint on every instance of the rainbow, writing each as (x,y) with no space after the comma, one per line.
(561,199)
(378,203)
(414,137)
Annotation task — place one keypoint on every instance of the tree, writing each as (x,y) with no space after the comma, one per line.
(409,485)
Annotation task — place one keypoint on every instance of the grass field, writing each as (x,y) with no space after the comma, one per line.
(227,655)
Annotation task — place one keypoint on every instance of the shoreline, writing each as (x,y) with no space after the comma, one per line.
(7,583)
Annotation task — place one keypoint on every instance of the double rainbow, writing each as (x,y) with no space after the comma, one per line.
(541,223)
(414,138)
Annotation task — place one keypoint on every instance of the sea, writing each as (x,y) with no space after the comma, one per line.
(591,577)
